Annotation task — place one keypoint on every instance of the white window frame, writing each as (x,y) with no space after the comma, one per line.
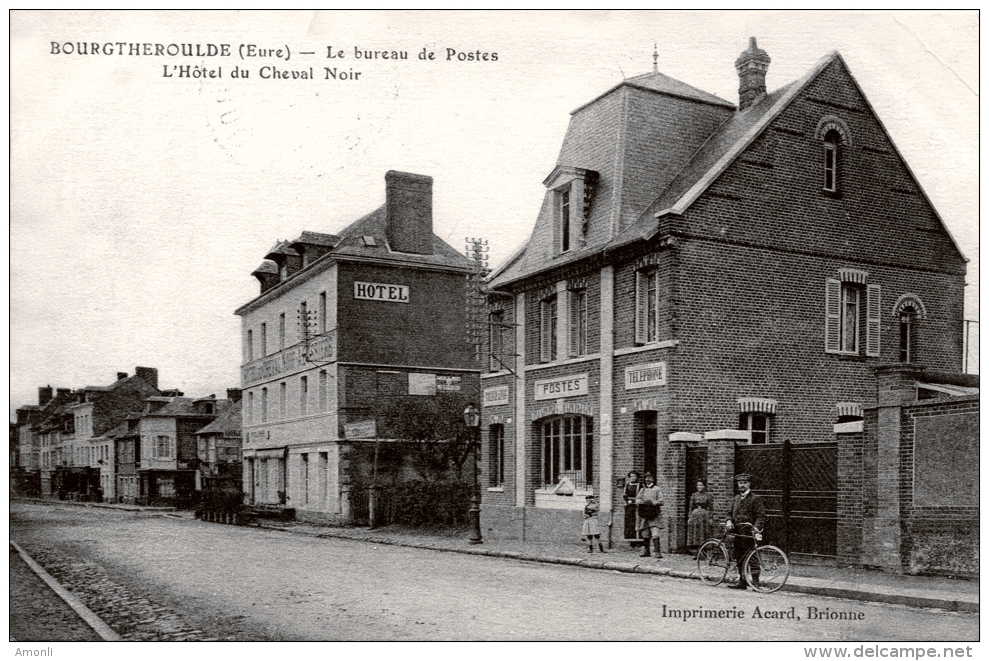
(747,423)
(831,168)
(169,447)
(496,341)
(559,437)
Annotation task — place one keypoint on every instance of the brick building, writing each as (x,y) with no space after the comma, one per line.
(703,273)
(347,327)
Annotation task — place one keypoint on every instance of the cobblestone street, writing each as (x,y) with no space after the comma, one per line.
(169,577)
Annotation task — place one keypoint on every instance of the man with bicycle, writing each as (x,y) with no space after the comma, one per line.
(746,508)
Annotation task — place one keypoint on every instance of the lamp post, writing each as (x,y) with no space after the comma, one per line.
(472,418)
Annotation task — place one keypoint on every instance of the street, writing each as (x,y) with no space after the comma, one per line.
(192,580)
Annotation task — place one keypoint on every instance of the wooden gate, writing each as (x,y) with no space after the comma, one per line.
(799,483)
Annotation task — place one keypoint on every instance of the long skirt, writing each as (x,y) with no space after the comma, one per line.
(699,528)
(630,533)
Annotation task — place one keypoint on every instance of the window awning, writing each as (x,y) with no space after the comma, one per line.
(756,405)
(948,389)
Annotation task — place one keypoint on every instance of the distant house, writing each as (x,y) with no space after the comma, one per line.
(219,447)
(166,446)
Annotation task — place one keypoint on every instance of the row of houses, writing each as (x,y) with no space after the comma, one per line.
(127,442)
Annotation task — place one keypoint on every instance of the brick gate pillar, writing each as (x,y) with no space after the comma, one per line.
(850,492)
(721,469)
(897,387)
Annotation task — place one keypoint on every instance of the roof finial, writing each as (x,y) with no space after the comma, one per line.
(655,58)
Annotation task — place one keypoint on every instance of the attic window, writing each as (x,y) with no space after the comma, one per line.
(563,216)
(369,241)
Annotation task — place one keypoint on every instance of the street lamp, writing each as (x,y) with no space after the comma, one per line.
(472,418)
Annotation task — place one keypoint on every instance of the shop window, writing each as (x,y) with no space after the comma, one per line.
(567,451)
(496,450)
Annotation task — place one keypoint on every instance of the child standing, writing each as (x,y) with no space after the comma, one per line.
(591,529)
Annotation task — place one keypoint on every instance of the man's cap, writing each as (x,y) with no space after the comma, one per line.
(743,477)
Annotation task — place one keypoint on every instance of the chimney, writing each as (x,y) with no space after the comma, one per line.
(44,395)
(63,394)
(751,66)
(148,374)
(121,376)
(233,394)
(409,209)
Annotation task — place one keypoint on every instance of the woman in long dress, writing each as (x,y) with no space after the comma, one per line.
(699,528)
(631,490)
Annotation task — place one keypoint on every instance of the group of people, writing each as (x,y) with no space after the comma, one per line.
(643,516)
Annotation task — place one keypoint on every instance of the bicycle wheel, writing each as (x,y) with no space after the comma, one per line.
(712,562)
(766,569)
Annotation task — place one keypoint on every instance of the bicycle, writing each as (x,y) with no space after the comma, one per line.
(715,559)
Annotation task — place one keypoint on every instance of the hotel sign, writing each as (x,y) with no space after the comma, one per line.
(497,396)
(645,375)
(374,291)
(564,386)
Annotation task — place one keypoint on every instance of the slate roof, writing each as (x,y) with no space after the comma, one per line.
(179,407)
(228,422)
(660,82)
(650,161)
(375,224)
(716,151)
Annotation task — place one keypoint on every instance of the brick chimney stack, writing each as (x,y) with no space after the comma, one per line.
(148,374)
(44,395)
(409,209)
(751,66)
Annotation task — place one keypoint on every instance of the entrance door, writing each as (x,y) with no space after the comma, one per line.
(696,469)
(647,423)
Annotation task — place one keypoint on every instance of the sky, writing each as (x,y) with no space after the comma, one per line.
(141,200)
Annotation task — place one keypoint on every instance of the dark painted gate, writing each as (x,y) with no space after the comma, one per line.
(799,483)
(696,470)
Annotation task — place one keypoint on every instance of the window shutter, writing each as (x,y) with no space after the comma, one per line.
(832,321)
(545,334)
(573,323)
(641,307)
(873,308)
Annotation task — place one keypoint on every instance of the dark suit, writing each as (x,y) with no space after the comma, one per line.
(746,509)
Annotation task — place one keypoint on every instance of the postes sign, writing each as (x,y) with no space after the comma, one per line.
(573,385)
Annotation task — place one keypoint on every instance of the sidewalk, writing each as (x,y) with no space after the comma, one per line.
(845,583)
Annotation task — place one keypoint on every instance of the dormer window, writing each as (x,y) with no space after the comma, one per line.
(572,190)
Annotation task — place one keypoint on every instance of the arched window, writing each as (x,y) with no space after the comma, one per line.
(908,334)
(833,132)
(831,141)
